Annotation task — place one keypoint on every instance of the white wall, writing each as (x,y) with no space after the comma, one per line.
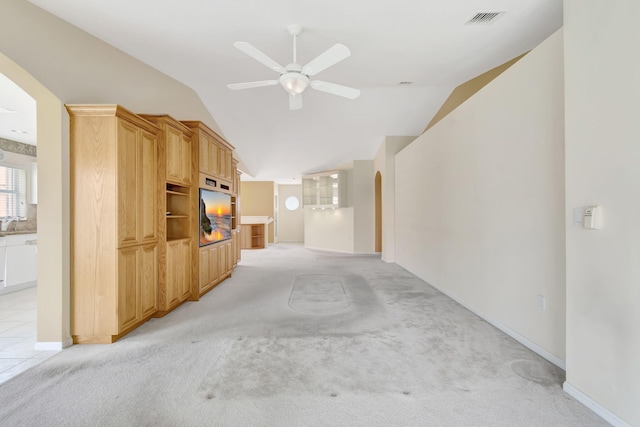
(363,199)
(602,41)
(291,222)
(329,229)
(480,201)
(349,229)
(384,163)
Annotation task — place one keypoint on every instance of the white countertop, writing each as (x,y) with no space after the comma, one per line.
(246,219)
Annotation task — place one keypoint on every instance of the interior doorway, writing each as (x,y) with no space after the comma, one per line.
(53,311)
(378,208)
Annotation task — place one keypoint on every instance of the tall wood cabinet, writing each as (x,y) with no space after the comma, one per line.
(114,215)
(217,171)
(135,211)
(177,230)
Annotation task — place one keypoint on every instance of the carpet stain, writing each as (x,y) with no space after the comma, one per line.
(538,372)
(318,294)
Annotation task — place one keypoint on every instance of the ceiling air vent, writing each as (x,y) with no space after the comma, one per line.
(485,17)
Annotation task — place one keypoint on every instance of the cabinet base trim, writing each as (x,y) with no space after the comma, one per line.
(94,339)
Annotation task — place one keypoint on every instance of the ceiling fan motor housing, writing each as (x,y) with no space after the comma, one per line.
(294,82)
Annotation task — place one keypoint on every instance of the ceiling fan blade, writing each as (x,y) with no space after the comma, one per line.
(295,101)
(344,91)
(259,56)
(249,85)
(329,57)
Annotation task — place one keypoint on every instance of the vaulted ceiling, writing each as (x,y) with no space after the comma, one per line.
(425,42)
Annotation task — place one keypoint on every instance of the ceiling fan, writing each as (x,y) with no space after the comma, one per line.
(294,77)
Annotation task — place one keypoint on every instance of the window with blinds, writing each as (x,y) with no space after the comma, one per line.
(13,192)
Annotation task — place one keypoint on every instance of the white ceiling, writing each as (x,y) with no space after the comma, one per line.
(17,113)
(421,41)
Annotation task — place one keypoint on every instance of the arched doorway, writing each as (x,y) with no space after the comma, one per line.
(378,204)
(53,310)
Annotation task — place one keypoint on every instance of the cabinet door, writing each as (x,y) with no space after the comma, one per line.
(185,257)
(222,260)
(148,192)
(234,244)
(238,246)
(204,144)
(127,176)
(214,265)
(173,151)
(213,157)
(229,247)
(149,280)
(228,156)
(203,265)
(174,273)
(222,165)
(185,161)
(128,288)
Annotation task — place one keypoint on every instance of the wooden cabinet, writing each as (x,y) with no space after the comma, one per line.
(178,274)
(217,171)
(225,163)
(235,246)
(178,214)
(177,142)
(134,212)
(114,211)
(137,280)
(208,149)
(253,236)
(208,268)
(215,155)
(178,217)
(148,268)
(216,264)
(136,170)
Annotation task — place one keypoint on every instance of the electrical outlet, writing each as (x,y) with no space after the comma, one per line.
(542,302)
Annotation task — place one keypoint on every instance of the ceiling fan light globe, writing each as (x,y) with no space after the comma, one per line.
(294,83)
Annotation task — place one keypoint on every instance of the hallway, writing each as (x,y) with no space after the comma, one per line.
(299,337)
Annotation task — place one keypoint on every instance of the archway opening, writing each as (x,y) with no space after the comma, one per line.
(53,310)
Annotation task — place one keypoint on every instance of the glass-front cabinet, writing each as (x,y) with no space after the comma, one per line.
(325,190)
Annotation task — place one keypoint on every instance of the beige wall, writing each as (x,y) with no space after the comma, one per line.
(257,200)
(480,201)
(57,63)
(603,168)
(291,222)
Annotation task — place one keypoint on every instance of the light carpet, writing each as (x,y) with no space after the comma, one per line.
(301,338)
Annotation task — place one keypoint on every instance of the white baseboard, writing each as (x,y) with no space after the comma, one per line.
(594,406)
(524,341)
(53,345)
(516,336)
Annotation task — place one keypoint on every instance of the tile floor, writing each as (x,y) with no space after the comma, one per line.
(18,333)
